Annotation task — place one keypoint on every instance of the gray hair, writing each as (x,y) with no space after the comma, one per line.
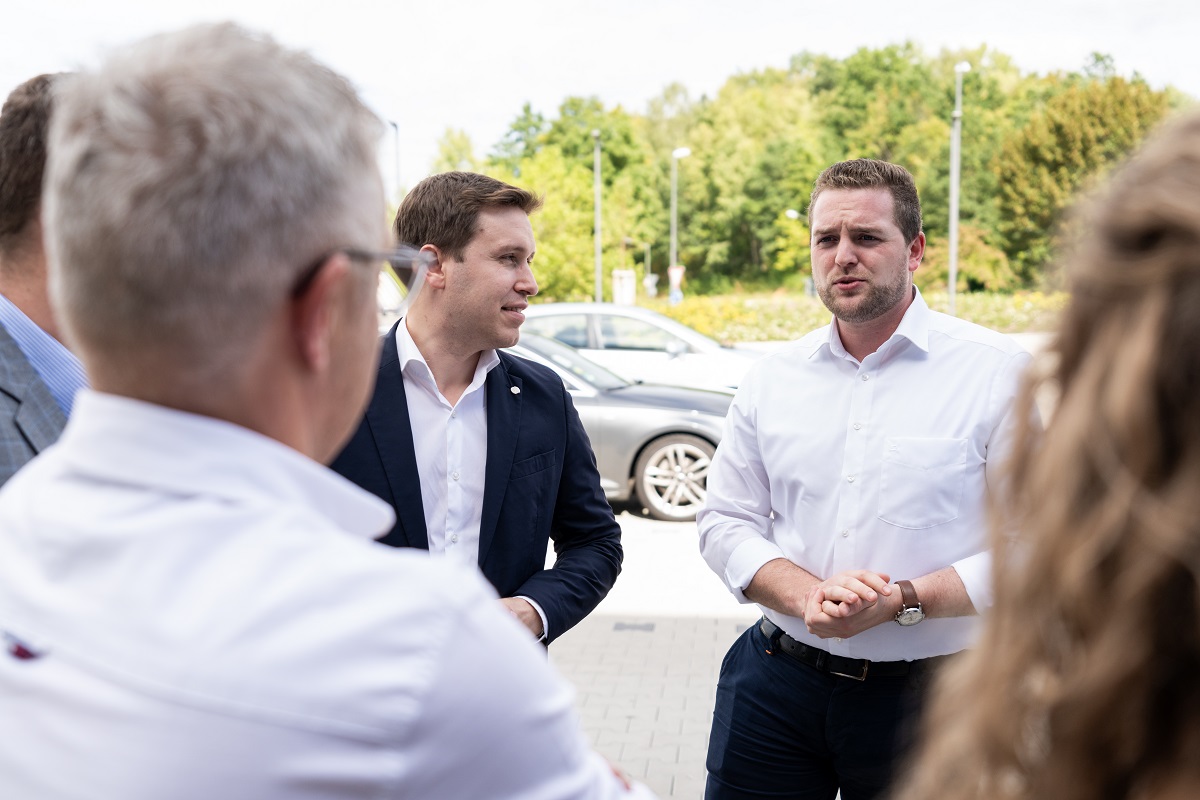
(191,180)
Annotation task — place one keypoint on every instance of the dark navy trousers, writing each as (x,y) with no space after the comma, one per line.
(783,729)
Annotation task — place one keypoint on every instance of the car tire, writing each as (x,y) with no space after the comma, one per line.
(671,475)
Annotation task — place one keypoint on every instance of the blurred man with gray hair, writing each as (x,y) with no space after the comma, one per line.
(192,605)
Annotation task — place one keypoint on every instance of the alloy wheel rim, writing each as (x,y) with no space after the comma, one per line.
(676,479)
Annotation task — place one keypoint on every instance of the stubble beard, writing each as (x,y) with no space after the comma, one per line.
(880,298)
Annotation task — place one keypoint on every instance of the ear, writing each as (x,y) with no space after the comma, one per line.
(314,312)
(435,275)
(916,251)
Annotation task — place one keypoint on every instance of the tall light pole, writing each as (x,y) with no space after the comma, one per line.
(596,186)
(960,69)
(676,154)
(396,138)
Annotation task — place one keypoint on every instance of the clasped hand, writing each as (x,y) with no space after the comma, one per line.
(847,604)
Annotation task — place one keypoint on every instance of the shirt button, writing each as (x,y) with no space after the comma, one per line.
(837,639)
(857,426)
(454,475)
(454,538)
(849,479)
(866,376)
(845,533)
(453,415)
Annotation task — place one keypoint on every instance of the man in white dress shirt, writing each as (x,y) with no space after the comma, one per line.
(848,500)
(191,604)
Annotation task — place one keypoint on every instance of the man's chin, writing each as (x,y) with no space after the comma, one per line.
(505,339)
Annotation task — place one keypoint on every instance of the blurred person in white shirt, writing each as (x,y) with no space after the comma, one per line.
(191,604)
(858,456)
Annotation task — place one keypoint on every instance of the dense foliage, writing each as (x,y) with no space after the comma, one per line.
(1030,142)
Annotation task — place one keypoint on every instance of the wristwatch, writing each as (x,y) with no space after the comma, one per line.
(911,613)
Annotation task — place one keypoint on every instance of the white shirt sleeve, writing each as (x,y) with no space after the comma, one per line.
(975,571)
(499,722)
(736,518)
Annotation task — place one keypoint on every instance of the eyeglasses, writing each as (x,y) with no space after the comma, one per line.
(402,273)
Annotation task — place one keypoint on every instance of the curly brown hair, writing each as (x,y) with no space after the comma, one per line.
(1084,684)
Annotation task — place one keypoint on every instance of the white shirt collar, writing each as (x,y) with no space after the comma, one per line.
(121,440)
(914,326)
(414,365)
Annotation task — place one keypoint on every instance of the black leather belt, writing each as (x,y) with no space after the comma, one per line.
(853,668)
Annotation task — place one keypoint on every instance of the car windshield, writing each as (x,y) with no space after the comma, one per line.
(586,370)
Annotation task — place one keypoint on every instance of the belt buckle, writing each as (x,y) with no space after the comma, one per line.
(862,677)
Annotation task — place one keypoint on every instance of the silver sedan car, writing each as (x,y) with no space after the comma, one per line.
(640,344)
(653,444)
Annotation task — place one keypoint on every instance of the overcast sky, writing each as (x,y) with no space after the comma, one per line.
(471,64)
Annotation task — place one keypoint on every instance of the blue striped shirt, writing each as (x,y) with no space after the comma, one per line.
(58,368)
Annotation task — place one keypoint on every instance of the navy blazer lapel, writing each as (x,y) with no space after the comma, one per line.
(387,418)
(503,428)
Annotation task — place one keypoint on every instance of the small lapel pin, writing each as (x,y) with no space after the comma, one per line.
(515,389)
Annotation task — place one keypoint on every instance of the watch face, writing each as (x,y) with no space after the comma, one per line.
(910,616)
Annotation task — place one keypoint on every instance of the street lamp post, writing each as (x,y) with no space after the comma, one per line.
(960,69)
(596,187)
(676,154)
(396,140)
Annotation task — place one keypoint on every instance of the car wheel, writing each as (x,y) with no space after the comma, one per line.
(671,476)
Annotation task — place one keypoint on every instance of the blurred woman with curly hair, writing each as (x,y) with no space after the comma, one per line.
(1086,681)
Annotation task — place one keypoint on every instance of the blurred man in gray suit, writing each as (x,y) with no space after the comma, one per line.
(38,375)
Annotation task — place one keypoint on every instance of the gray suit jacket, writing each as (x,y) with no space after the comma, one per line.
(30,419)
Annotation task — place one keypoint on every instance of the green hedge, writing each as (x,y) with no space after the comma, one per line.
(786,315)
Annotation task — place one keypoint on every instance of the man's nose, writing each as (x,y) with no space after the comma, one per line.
(526,283)
(847,254)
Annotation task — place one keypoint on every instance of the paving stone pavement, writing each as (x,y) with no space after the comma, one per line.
(646,685)
(644,664)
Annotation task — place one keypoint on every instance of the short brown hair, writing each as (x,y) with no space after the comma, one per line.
(869,173)
(24,124)
(443,209)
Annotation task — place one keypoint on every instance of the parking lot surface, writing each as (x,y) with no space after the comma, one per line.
(645,663)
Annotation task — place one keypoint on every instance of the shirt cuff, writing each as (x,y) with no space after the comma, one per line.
(545,628)
(976,574)
(744,563)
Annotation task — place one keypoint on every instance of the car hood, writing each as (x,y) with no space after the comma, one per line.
(701,400)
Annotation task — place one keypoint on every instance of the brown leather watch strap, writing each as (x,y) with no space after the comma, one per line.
(908,594)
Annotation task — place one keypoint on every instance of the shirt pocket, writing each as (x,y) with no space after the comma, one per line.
(921,483)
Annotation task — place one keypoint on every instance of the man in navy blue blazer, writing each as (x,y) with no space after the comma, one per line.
(481,453)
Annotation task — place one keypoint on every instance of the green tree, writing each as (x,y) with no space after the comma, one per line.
(562,229)
(752,158)
(1078,135)
(455,152)
(522,140)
